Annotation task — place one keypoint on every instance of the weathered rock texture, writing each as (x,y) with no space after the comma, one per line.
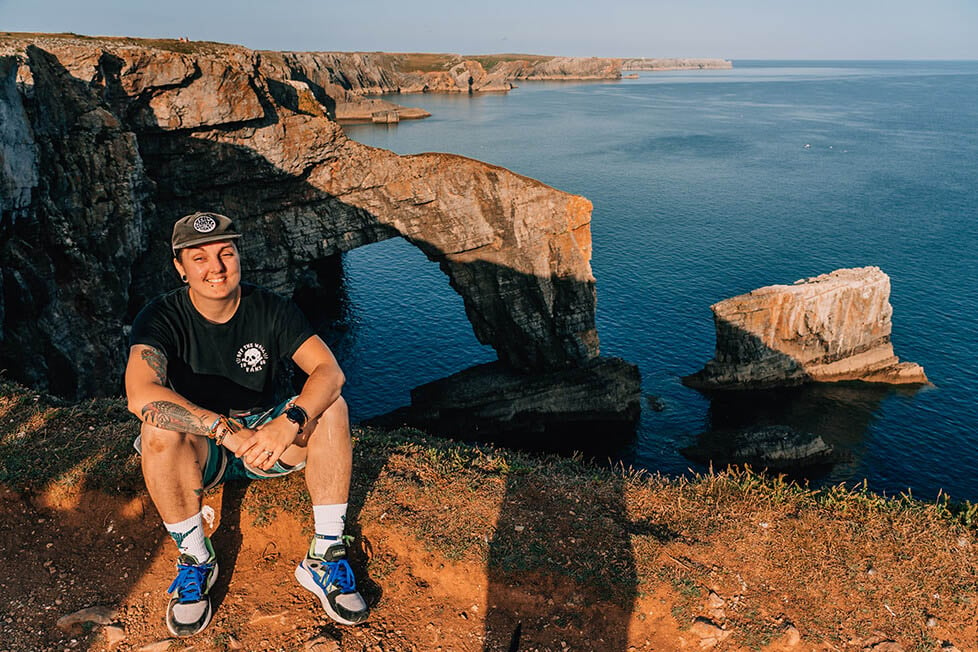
(560,68)
(106,142)
(832,327)
(676,64)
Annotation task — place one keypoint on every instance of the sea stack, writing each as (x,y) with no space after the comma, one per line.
(833,327)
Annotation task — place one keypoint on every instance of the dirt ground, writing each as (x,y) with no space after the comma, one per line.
(69,552)
(96,550)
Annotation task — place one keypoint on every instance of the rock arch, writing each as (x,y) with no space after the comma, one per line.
(125,138)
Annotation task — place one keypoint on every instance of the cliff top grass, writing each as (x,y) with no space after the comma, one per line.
(840,564)
(69,38)
(404,62)
(408,62)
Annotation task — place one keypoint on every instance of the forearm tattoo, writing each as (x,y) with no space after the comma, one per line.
(171,416)
(157,362)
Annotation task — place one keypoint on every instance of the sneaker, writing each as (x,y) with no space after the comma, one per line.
(189,612)
(331,579)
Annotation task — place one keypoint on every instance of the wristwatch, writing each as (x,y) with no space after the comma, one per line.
(297,415)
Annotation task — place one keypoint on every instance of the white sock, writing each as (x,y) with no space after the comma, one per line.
(189,536)
(330,521)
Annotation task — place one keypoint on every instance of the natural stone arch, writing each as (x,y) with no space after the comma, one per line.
(201,131)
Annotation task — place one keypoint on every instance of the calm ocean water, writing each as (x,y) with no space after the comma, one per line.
(706,185)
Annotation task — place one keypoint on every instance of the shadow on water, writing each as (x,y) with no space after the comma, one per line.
(839,414)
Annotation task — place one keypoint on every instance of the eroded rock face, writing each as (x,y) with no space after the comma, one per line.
(109,143)
(68,252)
(833,327)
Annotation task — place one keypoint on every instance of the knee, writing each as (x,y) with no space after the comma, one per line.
(332,423)
(338,411)
(157,441)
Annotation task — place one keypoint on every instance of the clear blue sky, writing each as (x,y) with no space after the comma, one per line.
(737,29)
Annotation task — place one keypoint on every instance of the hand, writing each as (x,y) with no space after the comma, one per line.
(267,444)
(235,440)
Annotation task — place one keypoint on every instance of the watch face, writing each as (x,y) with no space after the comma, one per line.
(295,415)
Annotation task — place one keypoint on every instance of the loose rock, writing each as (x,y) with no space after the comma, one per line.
(708,631)
(158,646)
(99,615)
(322,644)
(113,635)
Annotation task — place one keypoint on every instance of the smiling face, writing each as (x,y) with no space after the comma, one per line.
(213,270)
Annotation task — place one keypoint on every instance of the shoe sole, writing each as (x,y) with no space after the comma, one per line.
(210,609)
(305,578)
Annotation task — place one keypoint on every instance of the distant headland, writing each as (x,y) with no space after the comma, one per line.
(352,76)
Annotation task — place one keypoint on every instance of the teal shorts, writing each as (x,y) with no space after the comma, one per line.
(223,466)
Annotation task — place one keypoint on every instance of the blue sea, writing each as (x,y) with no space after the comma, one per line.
(706,185)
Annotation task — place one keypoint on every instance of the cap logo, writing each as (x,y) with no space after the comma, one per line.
(205,224)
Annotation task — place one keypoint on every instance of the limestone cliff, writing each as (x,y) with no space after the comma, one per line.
(832,327)
(675,64)
(341,80)
(561,68)
(105,142)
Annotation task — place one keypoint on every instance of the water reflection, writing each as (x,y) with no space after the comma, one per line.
(838,414)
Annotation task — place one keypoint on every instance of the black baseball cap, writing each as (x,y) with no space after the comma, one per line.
(201,228)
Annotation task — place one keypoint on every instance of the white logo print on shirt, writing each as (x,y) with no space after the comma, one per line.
(252,357)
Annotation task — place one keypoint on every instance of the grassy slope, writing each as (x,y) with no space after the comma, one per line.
(839,564)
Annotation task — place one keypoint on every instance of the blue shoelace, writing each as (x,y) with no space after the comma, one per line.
(341,575)
(190,582)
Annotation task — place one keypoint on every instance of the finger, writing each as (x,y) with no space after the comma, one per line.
(257,456)
(247,445)
(263,454)
(268,459)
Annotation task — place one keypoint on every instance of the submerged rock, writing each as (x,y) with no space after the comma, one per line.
(834,327)
(776,448)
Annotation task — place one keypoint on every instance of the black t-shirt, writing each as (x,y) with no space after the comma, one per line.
(222,367)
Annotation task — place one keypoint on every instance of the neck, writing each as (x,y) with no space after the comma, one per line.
(217,311)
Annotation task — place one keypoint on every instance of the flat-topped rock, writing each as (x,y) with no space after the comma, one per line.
(833,327)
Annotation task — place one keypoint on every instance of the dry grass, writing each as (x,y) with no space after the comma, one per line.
(170,44)
(489,61)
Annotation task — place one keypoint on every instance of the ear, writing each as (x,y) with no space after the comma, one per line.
(180,270)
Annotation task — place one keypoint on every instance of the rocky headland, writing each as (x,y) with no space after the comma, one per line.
(348,78)
(651,64)
(105,142)
(833,327)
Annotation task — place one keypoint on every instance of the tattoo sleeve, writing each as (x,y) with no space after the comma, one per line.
(171,416)
(157,362)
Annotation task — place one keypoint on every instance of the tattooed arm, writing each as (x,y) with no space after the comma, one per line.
(155,403)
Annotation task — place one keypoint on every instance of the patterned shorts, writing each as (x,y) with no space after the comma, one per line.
(222,465)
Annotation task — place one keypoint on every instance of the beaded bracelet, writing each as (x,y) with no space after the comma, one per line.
(212,431)
(221,428)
